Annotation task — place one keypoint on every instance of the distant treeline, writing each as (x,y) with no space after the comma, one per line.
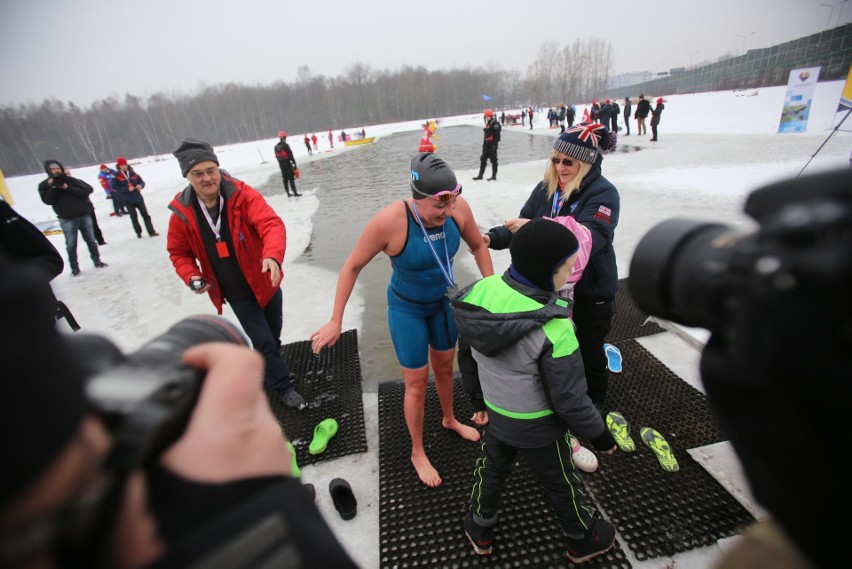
(231,113)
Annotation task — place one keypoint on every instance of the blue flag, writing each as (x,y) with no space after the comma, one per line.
(485,97)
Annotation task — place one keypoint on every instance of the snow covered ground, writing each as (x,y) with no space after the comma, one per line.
(713,150)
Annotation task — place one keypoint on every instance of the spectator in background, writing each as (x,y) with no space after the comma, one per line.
(570,113)
(655,118)
(287,163)
(491,139)
(129,185)
(342,136)
(530,113)
(314,140)
(308,145)
(69,198)
(616,110)
(627,109)
(106,177)
(96,228)
(605,114)
(331,140)
(643,107)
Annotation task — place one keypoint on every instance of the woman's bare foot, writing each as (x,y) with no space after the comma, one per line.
(427,473)
(464,431)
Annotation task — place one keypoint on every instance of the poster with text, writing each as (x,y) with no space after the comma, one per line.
(797,100)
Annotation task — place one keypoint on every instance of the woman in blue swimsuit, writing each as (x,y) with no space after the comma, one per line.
(421,236)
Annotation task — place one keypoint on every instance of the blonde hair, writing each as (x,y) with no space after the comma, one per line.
(551,178)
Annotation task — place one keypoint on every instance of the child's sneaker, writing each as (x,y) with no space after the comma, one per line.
(599,539)
(584,459)
(480,537)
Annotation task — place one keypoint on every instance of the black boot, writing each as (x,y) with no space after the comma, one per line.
(493,174)
(481,172)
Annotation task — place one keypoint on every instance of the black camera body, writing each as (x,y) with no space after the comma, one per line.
(145,398)
(777,367)
(59,180)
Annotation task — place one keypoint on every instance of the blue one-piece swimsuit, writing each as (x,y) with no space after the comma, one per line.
(418,310)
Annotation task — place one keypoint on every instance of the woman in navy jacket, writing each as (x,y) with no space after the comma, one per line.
(574,185)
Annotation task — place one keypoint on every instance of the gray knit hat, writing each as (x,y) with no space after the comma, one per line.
(585,141)
(191,152)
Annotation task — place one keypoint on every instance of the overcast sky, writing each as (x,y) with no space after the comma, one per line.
(83,50)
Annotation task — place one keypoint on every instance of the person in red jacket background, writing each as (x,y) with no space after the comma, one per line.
(226,227)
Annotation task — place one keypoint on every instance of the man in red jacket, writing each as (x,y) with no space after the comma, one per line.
(226,227)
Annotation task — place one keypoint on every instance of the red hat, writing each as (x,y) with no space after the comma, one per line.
(488,113)
(282,134)
(660,101)
(608,101)
(121,160)
(104,166)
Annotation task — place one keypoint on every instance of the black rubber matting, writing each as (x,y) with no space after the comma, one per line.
(628,320)
(661,513)
(331,384)
(422,527)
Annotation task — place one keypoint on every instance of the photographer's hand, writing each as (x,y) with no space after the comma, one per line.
(232,434)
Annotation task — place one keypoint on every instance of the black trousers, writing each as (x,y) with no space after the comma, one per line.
(489,152)
(553,466)
(594,321)
(653,132)
(627,123)
(289,177)
(132,208)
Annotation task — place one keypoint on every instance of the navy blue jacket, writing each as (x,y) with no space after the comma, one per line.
(596,205)
(122,182)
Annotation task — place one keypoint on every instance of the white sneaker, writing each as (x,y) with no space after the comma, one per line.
(584,459)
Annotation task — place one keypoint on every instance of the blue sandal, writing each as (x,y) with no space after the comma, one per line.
(613,358)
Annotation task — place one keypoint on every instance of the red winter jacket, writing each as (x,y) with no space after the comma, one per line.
(256,231)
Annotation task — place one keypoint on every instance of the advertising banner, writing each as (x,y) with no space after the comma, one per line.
(846,95)
(797,100)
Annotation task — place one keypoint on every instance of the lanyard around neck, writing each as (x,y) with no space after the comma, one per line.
(558,200)
(448,272)
(215,227)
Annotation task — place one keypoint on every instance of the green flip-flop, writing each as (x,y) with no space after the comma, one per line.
(294,466)
(617,425)
(323,432)
(661,448)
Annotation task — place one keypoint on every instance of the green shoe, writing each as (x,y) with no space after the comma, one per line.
(296,471)
(323,432)
(617,425)
(661,448)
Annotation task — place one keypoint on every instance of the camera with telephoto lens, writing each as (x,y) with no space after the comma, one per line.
(777,367)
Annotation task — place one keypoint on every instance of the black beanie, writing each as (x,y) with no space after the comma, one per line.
(42,401)
(539,247)
(191,152)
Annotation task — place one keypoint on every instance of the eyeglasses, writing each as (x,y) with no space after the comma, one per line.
(565,161)
(443,196)
(200,174)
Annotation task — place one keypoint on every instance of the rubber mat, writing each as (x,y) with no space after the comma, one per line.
(422,527)
(331,384)
(628,320)
(661,513)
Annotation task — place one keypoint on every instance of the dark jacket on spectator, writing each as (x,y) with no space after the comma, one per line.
(68,203)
